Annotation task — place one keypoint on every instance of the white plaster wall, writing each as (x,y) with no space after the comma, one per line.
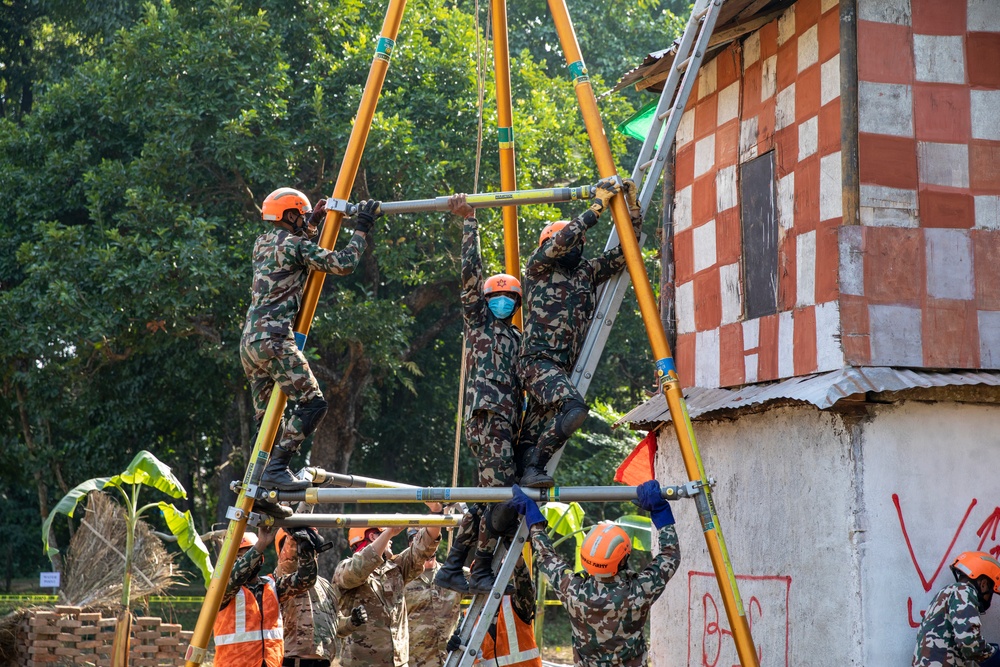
(939,462)
(785,489)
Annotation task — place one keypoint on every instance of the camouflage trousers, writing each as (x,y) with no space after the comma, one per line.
(548,386)
(491,435)
(277,361)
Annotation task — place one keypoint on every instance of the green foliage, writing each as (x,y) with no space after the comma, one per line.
(67,506)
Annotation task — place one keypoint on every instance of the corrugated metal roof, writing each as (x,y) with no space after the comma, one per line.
(822,390)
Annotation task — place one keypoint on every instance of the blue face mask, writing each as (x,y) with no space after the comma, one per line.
(501,306)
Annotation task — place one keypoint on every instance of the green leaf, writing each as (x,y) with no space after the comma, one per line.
(67,506)
(566,519)
(149,470)
(182,525)
(638,528)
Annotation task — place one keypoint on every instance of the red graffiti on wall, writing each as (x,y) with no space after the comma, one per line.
(987,531)
(710,637)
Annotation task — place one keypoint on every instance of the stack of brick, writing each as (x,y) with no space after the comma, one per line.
(71,636)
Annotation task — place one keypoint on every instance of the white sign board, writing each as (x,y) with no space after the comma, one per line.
(48,580)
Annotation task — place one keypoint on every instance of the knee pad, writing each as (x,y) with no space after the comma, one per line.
(571,417)
(502,520)
(311,413)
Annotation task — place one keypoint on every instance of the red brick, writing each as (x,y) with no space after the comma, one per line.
(941,112)
(786,144)
(828,140)
(767,353)
(807,194)
(894,265)
(982,59)
(707,300)
(885,52)
(804,340)
(786,272)
(705,114)
(728,248)
(750,105)
(727,144)
(933,17)
(728,68)
(950,334)
(732,369)
(829,35)
(807,93)
(986,259)
(787,67)
(769,40)
(827,260)
(984,166)
(765,126)
(684,255)
(889,161)
(703,199)
(684,169)
(806,15)
(946,209)
(684,358)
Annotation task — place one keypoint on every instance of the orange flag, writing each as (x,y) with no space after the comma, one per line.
(638,466)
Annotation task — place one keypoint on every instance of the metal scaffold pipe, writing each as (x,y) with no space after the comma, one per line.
(320,476)
(316,495)
(366,520)
(478,200)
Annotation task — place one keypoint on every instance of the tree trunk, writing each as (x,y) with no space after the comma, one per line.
(40,485)
(234,452)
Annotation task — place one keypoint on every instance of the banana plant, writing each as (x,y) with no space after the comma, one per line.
(144,470)
(565,521)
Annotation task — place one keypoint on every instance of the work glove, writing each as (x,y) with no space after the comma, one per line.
(607,188)
(311,537)
(318,213)
(359,616)
(454,643)
(651,499)
(526,507)
(367,214)
(993,660)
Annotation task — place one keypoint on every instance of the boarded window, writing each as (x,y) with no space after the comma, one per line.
(760,236)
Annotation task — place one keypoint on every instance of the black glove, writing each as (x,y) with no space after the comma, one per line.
(359,616)
(607,188)
(311,537)
(318,213)
(367,214)
(454,643)
(993,660)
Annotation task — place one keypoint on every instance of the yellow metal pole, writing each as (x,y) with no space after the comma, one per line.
(665,368)
(505,138)
(198,649)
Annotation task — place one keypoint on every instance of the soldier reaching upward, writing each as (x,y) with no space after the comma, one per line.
(609,606)
(950,634)
(560,297)
(493,399)
(282,259)
(433,614)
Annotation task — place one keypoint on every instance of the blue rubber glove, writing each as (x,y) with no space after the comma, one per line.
(993,660)
(526,507)
(651,499)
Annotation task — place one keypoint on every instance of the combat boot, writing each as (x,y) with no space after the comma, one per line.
(278,476)
(452,574)
(534,476)
(481,579)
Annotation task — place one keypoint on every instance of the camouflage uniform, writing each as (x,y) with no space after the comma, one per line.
(608,613)
(433,614)
(368,579)
(492,392)
(247,568)
(950,635)
(281,264)
(313,624)
(559,303)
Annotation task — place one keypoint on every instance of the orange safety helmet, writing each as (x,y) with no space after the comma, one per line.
(249,540)
(358,535)
(975,564)
(502,282)
(551,230)
(283,199)
(604,549)
(279,539)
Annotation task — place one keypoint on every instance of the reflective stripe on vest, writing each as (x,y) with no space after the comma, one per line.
(516,632)
(251,627)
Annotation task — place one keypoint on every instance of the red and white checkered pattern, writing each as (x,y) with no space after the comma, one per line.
(778,90)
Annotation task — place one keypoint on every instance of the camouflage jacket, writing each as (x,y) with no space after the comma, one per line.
(559,302)
(608,614)
(369,579)
(313,623)
(247,568)
(949,635)
(491,344)
(433,614)
(281,264)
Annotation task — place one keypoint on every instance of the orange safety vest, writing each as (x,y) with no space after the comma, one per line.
(516,648)
(241,639)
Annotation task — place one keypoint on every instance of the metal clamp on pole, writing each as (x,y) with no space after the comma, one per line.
(341,206)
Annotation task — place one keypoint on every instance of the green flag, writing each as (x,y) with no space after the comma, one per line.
(638,125)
